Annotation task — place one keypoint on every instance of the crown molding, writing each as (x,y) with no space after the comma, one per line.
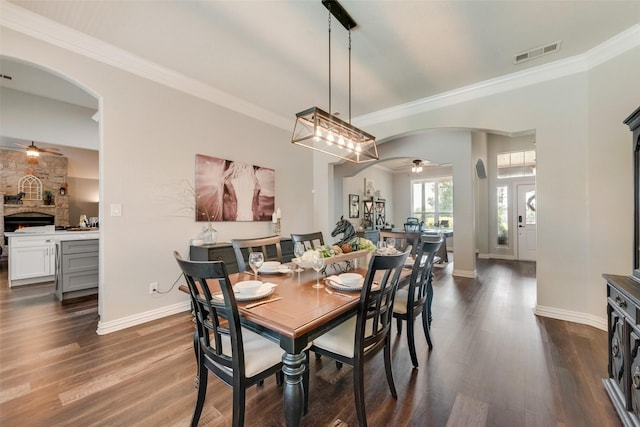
(600,54)
(44,29)
(41,28)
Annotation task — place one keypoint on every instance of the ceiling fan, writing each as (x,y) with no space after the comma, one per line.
(33,151)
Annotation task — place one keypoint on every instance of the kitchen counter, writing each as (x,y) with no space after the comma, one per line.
(32,252)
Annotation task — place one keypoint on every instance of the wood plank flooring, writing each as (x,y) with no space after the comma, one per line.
(493,364)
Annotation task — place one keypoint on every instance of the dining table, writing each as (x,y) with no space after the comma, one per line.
(293,316)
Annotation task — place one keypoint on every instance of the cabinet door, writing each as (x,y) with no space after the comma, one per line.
(616,348)
(635,372)
(32,261)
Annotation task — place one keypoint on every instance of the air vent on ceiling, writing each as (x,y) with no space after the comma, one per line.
(537,52)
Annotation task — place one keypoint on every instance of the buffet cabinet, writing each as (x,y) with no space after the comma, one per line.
(623,312)
(224,252)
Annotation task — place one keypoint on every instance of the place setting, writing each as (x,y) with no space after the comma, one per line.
(251,290)
(274,267)
(349,282)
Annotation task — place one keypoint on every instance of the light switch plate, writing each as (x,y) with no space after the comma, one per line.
(116,209)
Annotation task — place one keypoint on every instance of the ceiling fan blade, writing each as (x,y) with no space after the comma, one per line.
(21,145)
(48,151)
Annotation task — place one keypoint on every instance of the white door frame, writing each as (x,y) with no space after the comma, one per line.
(525,250)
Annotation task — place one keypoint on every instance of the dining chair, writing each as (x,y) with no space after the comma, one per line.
(269,246)
(237,356)
(363,335)
(310,240)
(416,299)
(413,225)
(404,240)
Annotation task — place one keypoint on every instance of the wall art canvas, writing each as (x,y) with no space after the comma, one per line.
(227,190)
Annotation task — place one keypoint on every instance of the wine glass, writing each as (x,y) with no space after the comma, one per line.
(391,242)
(298,251)
(256,259)
(317,262)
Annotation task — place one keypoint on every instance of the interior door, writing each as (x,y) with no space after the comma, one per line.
(526,221)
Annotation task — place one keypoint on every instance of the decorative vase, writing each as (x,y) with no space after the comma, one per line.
(209,235)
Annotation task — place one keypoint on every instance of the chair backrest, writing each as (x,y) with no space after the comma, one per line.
(403,240)
(375,308)
(413,220)
(421,272)
(310,240)
(412,227)
(444,223)
(269,246)
(216,316)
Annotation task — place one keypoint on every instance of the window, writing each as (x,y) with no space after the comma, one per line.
(516,164)
(503,215)
(432,201)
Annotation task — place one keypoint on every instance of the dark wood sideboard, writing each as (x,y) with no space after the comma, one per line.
(623,313)
(224,252)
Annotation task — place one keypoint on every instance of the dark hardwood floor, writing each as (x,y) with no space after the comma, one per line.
(493,364)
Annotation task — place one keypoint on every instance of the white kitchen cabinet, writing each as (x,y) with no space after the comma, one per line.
(31,260)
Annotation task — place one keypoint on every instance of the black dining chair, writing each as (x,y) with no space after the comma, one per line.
(404,240)
(269,246)
(310,240)
(237,356)
(413,225)
(363,335)
(416,299)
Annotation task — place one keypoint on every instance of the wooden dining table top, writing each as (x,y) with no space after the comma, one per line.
(301,309)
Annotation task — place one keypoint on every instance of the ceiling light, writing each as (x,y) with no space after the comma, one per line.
(315,128)
(417,166)
(32,151)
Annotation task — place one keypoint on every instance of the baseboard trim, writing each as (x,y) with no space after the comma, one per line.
(571,316)
(471,274)
(137,319)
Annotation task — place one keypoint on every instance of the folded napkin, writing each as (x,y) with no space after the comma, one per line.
(387,251)
(265,287)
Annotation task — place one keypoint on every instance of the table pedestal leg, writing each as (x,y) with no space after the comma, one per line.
(293,399)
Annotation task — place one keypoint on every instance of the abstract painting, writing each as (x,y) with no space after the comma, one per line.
(228,190)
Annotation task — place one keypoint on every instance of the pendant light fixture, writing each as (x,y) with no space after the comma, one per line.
(322,131)
(417,166)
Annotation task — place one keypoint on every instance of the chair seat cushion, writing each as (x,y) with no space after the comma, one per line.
(339,340)
(259,352)
(400,302)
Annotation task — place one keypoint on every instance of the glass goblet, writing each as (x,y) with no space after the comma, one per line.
(256,259)
(298,251)
(317,262)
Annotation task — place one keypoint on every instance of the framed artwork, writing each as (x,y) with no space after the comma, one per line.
(227,190)
(354,206)
(369,189)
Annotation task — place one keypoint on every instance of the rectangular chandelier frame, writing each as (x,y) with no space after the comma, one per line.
(324,132)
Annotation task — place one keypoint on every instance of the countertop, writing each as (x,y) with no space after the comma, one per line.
(88,233)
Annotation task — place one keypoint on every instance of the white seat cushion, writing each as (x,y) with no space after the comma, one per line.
(400,302)
(339,340)
(259,352)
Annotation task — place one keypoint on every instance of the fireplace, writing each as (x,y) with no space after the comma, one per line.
(26,219)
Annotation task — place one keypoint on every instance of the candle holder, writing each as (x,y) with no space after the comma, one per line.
(277,228)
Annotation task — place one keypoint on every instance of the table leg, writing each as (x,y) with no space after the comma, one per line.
(293,394)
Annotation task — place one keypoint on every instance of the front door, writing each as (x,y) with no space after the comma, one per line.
(526,221)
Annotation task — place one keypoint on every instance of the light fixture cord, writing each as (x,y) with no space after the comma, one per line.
(349,75)
(330,61)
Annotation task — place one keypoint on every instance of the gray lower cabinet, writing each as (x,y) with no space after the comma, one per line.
(76,268)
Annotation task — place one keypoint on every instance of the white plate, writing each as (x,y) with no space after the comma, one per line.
(257,295)
(343,287)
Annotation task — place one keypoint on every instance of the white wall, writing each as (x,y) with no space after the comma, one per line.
(35,118)
(383,181)
(578,124)
(150,135)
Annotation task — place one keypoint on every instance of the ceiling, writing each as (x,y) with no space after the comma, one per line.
(274,53)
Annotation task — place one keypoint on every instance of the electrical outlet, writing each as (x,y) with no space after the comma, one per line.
(153,287)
